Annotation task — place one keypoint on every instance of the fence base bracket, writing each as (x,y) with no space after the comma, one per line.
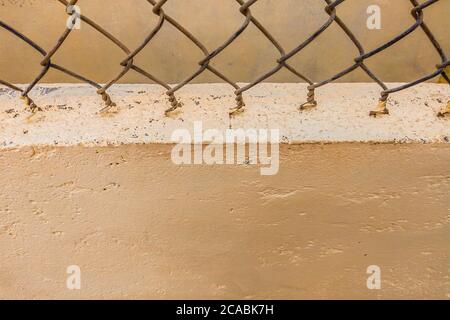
(308,106)
(382,110)
(172,111)
(445,113)
(235,111)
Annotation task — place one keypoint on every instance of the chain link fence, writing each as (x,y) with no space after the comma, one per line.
(331,8)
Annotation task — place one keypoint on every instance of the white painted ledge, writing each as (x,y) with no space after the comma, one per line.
(70,114)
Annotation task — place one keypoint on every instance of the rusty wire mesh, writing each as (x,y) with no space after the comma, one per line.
(417,12)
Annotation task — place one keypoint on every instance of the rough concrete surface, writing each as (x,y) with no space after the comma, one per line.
(71,114)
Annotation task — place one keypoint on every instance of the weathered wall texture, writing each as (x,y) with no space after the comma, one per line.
(172,57)
(141,227)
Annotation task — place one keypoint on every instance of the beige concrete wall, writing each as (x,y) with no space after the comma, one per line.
(139,226)
(172,57)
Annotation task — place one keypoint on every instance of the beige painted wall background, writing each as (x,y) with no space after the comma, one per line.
(172,57)
(225,232)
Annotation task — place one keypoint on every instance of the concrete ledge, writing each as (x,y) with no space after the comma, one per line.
(70,114)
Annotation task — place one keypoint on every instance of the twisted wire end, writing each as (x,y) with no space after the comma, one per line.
(107,100)
(382,107)
(174,105)
(311,102)
(30,104)
(445,113)
(240,104)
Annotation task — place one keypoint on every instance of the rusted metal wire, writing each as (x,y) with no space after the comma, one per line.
(331,8)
